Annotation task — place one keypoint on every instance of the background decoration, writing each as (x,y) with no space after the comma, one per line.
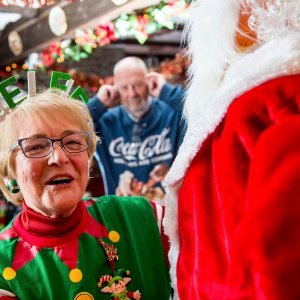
(58,21)
(15,43)
(27,3)
(174,71)
(139,25)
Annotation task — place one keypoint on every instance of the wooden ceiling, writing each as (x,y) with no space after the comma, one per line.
(35,33)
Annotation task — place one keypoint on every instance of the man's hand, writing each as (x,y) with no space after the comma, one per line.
(157,174)
(108,95)
(130,186)
(155,82)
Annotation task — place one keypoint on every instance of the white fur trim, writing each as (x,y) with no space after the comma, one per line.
(170,224)
(211,32)
(159,216)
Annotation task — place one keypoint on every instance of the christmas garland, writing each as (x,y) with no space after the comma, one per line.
(139,25)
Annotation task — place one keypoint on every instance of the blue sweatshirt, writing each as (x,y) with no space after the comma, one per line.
(137,146)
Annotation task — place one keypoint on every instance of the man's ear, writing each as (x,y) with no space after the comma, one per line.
(106,289)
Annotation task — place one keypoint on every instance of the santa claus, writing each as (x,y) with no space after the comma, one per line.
(233,213)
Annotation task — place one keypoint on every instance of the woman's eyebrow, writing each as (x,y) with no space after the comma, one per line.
(37,135)
(42,135)
(65,132)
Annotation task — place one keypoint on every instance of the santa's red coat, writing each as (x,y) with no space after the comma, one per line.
(239,200)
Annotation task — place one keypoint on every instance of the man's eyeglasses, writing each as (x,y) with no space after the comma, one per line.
(40,146)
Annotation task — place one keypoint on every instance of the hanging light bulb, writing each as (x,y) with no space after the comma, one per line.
(119,2)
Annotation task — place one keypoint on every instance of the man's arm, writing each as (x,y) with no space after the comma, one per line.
(173,95)
(96,108)
(107,97)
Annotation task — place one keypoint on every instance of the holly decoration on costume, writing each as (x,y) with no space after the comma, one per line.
(116,286)
(110,250)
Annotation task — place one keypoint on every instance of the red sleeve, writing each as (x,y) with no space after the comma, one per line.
(268,239)
(7,298)
(130,295)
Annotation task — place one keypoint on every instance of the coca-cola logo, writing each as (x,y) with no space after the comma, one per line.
(154,145)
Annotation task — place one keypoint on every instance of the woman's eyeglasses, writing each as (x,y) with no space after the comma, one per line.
(40,146)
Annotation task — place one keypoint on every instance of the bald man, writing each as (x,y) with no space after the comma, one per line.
(139,122)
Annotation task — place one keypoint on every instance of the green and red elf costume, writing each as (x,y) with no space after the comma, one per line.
(45,258)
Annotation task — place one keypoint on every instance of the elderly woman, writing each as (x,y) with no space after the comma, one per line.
(60,247)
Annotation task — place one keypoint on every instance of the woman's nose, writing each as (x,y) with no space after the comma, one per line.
(58,155)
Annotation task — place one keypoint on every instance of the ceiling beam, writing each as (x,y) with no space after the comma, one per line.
(35,32)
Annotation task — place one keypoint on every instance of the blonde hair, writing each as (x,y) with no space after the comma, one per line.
(39,109)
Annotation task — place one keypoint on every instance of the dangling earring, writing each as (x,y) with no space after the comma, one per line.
(12,185)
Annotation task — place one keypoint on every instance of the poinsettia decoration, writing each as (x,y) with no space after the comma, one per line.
(50,55)
(105,34)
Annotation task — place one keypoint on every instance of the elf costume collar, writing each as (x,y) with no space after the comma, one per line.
(44,231)
(38,224)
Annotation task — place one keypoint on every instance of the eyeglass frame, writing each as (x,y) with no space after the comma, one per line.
(19,143)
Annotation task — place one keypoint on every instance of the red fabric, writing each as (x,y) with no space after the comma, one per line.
(128,294)
(164,237)
(239,204)
(57,228)
(38,224)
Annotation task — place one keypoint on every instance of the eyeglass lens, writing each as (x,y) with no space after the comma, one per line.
(39,147)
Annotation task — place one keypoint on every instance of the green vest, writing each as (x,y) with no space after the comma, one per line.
(132,229)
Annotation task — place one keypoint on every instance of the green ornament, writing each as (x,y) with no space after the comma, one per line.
(12,186)
(88,48)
